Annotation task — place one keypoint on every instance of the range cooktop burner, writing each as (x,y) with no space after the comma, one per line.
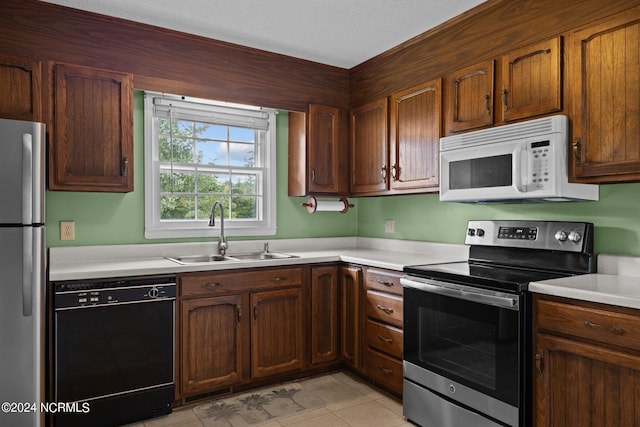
(508,255)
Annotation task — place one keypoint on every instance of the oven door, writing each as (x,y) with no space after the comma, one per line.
(464,343)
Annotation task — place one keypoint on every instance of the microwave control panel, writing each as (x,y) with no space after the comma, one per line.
(541,159)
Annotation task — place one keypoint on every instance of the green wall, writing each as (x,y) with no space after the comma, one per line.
(107,218)
(104,218)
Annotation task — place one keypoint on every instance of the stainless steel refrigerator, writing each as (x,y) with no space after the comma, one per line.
(22,273)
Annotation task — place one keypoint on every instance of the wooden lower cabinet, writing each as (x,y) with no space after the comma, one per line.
(383,312)
(214,343)
(586,364)
(324,314)
(277,332)
(350,316)
(235,327)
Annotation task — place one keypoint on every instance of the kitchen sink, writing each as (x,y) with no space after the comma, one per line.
(196,259)
(262,255)
(250,256)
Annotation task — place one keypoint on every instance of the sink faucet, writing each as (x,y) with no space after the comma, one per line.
(222,242)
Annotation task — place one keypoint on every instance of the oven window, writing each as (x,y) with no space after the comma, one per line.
(468,342)
(483,172)
(110,349)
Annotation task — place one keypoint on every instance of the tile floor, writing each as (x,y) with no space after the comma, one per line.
(349,403)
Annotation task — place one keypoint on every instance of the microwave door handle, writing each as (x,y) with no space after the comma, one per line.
(517,170)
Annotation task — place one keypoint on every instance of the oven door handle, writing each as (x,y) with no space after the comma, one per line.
(451,290)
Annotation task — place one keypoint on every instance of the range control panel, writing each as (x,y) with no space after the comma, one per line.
(73,295)
(547,235)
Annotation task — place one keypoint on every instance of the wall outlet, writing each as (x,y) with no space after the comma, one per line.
(67,230)
(389,226)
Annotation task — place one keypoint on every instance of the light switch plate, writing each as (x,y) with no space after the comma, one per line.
(67,230)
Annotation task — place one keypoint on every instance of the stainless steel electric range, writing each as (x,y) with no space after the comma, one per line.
(467,325)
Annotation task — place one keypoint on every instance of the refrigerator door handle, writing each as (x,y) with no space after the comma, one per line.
(27,178)
(29,273)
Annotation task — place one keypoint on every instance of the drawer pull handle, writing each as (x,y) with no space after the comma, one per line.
(277,279)
(385,309)
(383,339)
(612,329)
(207,285)
(384,282)
(386,371)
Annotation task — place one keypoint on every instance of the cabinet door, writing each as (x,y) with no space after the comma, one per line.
(328,157)
(277,337)
(415,124)
(214,337)
(532,80)
(369,165)
(324,314)
(470,97)
(92,144)
(20,94)
(350,313)
(578,384)
(605,88)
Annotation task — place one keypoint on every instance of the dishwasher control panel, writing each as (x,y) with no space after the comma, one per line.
(81,294)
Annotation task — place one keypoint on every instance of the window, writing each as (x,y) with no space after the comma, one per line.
(198,152)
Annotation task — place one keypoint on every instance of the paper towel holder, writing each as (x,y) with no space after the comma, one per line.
(313,205)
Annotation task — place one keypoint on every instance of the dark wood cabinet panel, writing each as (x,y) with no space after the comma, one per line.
(277,332)
(605,70)
(319,152)
(213,343)
(532,80)
(324,314)
(586,364)
(350,315)
(415,125)
(470,97)
(92,144)
(369,149)
(20,88)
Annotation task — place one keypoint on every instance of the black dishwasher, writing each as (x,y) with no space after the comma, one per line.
(114,350)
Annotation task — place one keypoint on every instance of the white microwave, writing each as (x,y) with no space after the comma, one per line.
(521,162)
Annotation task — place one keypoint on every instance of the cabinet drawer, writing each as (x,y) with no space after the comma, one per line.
(599,325)
(386,308)
(384,338)
(384,281)
(384,370)
(207,283)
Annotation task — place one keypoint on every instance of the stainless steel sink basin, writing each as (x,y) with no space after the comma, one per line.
(251,256)
(262,255)
(196,259)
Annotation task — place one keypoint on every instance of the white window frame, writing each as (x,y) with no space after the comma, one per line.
(206,111)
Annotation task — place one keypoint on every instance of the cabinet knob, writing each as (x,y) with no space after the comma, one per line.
(395,172)
(487,106)
(125,166)
(505,92)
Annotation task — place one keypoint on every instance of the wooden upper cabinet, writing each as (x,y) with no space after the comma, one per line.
(92,144)
(415,130)
(532,80)
(605,88)
(20,93)
(470,97)
(318,152)
(369,157)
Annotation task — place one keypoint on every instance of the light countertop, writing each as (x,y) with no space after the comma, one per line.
(92,262)
(617,283)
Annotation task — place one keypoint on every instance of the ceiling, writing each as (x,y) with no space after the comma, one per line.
(342,33)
